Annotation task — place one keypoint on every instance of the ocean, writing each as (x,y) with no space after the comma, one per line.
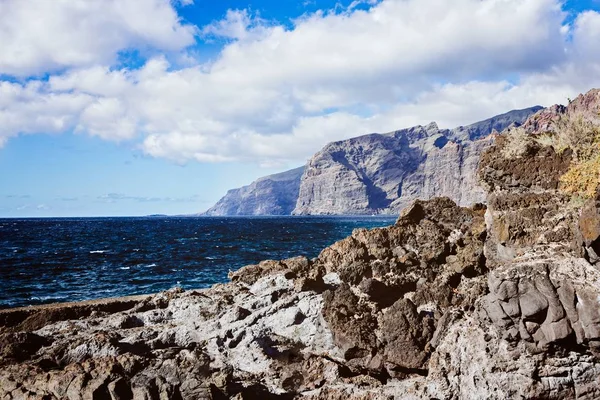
(71,259)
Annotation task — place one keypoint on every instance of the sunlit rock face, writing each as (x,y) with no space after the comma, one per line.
(269,195)
(376,173)
(384,173)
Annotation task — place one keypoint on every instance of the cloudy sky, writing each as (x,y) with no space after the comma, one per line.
(134,107)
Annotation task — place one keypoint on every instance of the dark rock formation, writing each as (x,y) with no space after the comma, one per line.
(269,195)
(366,309)
(492,302)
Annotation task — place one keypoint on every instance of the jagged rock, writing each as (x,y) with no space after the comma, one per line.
(538,167)
(405,333)
(21,345)
(585,106)
(351,322)
(277,323)
(589,226)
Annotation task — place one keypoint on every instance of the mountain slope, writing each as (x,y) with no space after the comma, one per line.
(269,195)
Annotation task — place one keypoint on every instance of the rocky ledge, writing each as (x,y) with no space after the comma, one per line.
(489,302)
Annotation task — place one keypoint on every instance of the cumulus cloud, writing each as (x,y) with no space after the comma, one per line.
(276,93)
(235,25)
(40,36)
(586,36)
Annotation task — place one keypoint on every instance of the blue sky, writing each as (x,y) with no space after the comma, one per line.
(187,99)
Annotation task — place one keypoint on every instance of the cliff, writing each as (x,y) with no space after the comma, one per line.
(383,173)
(269,195)
(376,173)
(488,302)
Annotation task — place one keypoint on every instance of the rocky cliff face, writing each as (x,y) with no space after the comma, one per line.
(269,195)
(376,173)
(487,302)
(384,173)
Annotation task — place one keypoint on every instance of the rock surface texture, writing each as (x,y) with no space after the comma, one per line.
(487,302)
(383,173)
(377,173)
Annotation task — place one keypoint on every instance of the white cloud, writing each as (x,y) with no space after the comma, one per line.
(235,25)
(276,94)
(41,36)
(33,108)
(586,36)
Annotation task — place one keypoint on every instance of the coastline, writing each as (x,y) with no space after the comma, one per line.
(491,301)
(10,317)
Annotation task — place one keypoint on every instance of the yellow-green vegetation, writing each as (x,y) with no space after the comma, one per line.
(576,201)
(546,139)
(583,178)
(580,135)
(583,137)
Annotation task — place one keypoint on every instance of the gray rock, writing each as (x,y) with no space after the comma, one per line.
(376,173)
(269,195)
(383,173)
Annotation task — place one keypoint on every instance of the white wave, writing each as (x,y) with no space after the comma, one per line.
(46,298)
(99,251)
(124,268)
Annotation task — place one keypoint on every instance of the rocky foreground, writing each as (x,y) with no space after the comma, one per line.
(489,302)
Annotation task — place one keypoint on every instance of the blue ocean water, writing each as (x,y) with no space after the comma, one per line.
(72,259)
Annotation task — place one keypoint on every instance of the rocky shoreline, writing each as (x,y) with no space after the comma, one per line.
(493,301)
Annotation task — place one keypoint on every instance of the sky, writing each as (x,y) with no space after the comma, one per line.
(138,107)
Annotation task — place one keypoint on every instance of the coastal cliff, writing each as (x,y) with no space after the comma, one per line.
(383,173)
(487,302)
(376,173)
(270,195)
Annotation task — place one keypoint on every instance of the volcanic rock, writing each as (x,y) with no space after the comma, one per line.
(486,302)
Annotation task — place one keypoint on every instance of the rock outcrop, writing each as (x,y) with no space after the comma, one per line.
(376,173)
(270,195)
(495,301)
